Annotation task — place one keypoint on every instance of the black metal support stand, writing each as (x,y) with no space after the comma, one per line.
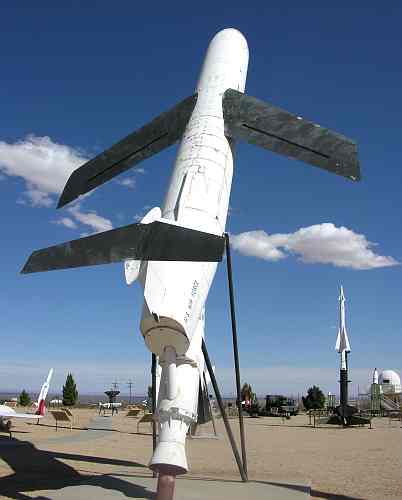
(223,413)
(209,404)
(154,474)
(235,351)
(343,388)
(343,391)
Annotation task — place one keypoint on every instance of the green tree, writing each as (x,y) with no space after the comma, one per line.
(315,399)
(24,399)
(70,393)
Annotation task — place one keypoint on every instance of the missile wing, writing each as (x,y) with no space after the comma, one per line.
(7,413)
(154,241)
(265,125)
(149,140)
(246,118)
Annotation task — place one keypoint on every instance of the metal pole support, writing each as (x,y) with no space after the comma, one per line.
(235,351)
(223,413)
(154,474)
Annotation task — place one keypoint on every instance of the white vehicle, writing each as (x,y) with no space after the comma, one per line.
(207,125)
(108,406)
(7,413)
(56,402)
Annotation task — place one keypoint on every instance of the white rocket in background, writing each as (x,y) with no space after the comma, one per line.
(342,342)
(345,414)
(6,413)
(375,376)
(45,387)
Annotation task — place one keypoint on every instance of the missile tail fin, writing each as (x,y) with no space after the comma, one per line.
(338,341)
(342,341)
(347,345)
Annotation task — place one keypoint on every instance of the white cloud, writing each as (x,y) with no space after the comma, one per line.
(320,243)
(91,219)
(129,182)
(43,164)
(256,244)
(67,222)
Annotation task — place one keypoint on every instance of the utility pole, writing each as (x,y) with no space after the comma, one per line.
(130,384)
(115,385)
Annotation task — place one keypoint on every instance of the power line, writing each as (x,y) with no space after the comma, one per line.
(130,383)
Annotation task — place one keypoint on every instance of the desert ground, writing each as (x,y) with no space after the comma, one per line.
(336,463)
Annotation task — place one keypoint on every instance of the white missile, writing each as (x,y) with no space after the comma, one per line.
(375,376)
(198,197)
(6,413)
(342,341)
(45,387)
(173,253)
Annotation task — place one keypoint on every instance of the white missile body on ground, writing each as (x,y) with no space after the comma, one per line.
(342,342)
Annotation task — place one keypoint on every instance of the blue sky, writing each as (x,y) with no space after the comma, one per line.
(76,79)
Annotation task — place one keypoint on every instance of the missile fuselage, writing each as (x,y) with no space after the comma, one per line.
(197,197)
(175,292)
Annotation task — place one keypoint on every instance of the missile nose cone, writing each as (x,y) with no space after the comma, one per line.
(230,34)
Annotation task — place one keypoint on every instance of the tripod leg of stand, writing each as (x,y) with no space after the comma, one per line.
(235,352)
(153,405)
(223,413)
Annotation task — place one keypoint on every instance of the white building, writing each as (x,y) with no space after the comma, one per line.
(390,382)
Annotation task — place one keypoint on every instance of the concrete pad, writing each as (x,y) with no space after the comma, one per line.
(99,427)
(119,487)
